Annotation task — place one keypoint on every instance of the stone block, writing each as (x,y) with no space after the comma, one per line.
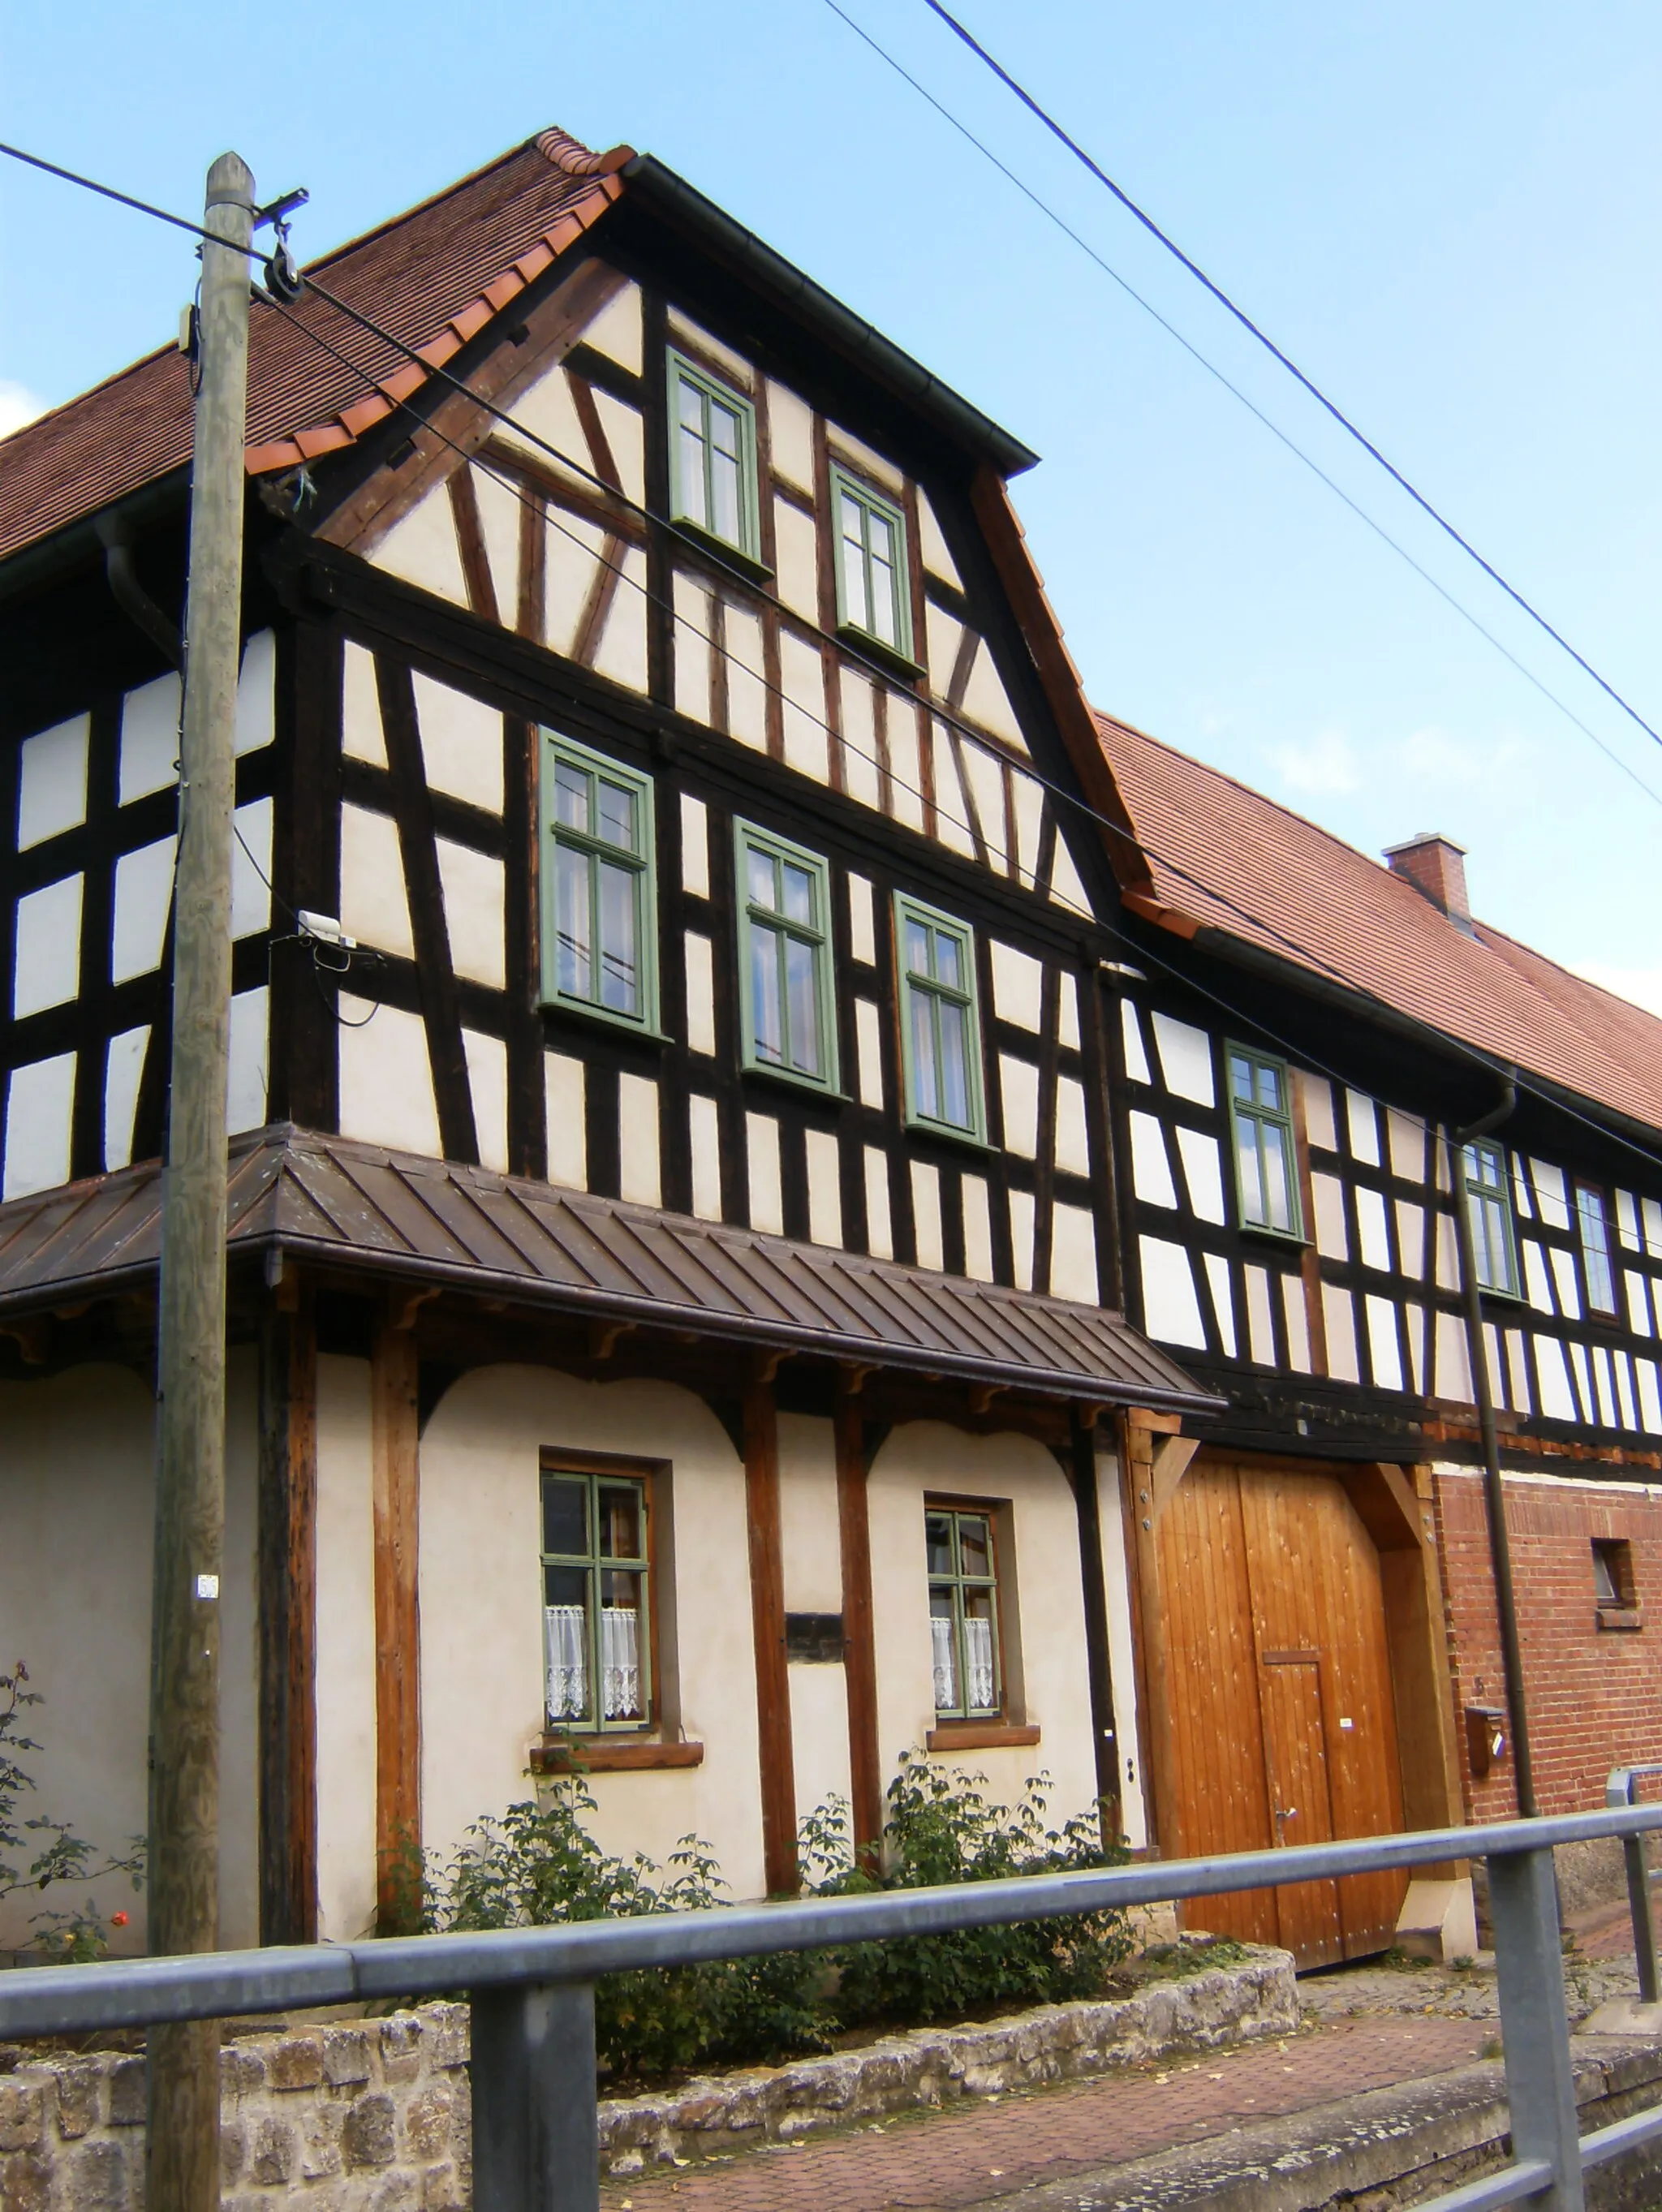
(242,2071)
(426,2122)
(95,2177)
(80,2087)
(21,2125)
(128,2091)
(442,2190)
(233,2151)
(296,2063)
(346,2056)
(25,2181)
(321,2128)
(446,2035)
(400,2047)
(369,2137)
(271,2152)
(396,2192)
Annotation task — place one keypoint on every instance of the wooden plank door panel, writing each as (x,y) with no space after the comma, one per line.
(1295,1747)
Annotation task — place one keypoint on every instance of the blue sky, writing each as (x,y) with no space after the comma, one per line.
(1449,215)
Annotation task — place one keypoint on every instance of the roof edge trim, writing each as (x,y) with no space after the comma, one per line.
(859,340)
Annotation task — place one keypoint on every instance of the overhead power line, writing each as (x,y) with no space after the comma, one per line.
(1257,330)
(1316,962)
(1299,452)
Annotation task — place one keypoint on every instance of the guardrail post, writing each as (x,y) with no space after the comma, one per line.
(536,2130)
(1534,2025)
(1644,1927)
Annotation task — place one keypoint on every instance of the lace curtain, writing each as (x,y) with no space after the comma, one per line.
(979,1636)
(566,1650)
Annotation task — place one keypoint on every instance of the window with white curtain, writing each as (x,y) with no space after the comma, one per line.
(963,1613)
(597,1640)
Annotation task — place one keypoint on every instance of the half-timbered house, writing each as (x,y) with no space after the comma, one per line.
(674,1248)
(1317,1060)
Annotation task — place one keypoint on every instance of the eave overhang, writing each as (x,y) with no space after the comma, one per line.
(332,1203)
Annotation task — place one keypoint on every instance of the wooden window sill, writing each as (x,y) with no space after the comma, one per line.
(1620,1617)
(603,1755)
(980,1735)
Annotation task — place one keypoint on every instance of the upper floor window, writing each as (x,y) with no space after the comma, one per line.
(1488,1202)
(1593,1223)
(872,593)
(597,1639)
(939,1020)
(785,958)
(713,458)
(1261,1124)
(963,1613)
(599,908)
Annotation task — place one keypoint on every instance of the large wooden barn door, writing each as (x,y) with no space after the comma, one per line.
(1278,1679)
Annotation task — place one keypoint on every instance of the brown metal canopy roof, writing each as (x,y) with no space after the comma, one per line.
(332,1199)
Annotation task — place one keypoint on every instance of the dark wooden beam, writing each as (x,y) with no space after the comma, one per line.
(287,1574)
(394,1415)
(859,1629)
(767,1600)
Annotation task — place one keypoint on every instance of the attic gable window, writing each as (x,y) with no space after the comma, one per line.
(1593,1223)
(1489,1200)
(939,1020)
(712,457)
(1261,1124)
(599,902)
(785,958)
(873,595)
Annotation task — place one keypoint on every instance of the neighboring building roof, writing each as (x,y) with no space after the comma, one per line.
(433,277)
(1224,857)
(333,1201)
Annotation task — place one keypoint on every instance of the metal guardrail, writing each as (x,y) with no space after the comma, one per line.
(531,1992)
(1620,1789)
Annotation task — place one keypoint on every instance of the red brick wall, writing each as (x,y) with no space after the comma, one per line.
(1594,1695)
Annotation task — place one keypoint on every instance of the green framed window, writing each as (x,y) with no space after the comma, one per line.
(1488,1201)
(712,457)
(1593,1222)
(873,595)
(939,1020)
(597,1628)
(963,1613)
(1261,1130)
(785,958)
(599,899)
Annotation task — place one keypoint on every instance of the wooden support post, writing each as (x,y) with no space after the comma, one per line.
(767,1601)
(182,2153)
(393,1419)
(287,1619)
(1098,1663)
(1141,1433)
(859,1630)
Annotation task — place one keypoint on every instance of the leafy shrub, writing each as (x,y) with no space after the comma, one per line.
(537,1864)
(38,1853)
(941,1828)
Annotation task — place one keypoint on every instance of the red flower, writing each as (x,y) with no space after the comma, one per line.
(117,1920)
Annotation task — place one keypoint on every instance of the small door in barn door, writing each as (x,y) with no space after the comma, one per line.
(1278,1689)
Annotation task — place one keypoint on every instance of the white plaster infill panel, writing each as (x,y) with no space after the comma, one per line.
(1171,1311)
(461,744)
(143,888)
(47,959)
(51,781)
(387,1078)
(1151,1171)
(150,739)
(487,1083)
(124,1069)
(474,888)
(256,694)
(421,549)
(245,1087)
(1186,1058)
(40,1102)
(1017,987)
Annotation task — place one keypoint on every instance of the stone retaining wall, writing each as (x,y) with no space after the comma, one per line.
(372,2115)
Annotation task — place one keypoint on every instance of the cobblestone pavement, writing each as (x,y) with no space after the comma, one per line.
(987,2146)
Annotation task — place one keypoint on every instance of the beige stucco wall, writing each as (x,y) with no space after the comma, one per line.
(482,1688)
(1043,1606)
(76,1495)
(345,1653)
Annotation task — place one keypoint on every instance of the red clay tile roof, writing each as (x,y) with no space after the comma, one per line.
(1221,853)
(432,277)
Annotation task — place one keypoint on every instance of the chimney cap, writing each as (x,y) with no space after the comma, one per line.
(1425,838)
(1436,866)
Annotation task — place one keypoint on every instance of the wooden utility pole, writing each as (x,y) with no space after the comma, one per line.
(190,1497)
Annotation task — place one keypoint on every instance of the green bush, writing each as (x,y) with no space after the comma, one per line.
(941,1828)
(537,1864)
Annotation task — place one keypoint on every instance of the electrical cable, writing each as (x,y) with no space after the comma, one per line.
(1299,952)
(146,207)
(1286,360)
(1251,406)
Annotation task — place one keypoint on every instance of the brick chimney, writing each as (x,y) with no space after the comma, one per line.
(1436,866)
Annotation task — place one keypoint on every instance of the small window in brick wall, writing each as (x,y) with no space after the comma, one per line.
(1613,1583)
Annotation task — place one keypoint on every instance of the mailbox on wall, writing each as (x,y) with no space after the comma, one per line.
(1487,1742)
